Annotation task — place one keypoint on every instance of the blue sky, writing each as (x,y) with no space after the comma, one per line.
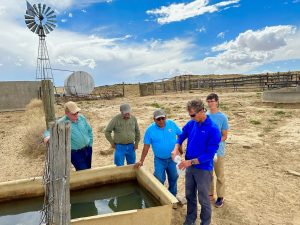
(144,40)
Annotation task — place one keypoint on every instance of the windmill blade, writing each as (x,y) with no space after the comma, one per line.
(52,21)
(30,25)
(29,21)
(51,17)
(36,10)
(40,8)
(47,10)
(34,28)
(50,13)
(27,17)
(30,9)
(46,29)
(49,27)
(44,7)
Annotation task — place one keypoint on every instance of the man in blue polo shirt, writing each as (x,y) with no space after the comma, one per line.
(162,135)
(203,142)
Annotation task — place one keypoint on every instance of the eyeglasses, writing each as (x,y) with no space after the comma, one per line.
(160,118)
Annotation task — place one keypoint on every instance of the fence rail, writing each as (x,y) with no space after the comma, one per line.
(245,82)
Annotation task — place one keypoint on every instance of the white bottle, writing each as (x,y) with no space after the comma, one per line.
(177,160)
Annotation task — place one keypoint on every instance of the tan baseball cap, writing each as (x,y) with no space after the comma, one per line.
(72,107)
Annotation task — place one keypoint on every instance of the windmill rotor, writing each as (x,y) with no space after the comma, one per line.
(40,19)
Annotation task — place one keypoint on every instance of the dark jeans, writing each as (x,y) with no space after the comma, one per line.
(82,158)
(197,180)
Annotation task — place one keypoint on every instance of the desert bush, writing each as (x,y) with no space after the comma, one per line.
(279,113)
(35,126)
(255,122)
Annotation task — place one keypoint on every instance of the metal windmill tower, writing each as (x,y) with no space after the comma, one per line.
(41,20)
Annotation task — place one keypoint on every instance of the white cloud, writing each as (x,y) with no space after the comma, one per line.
(252,48)
(201,29)
(83,10)
(75,61)
(63,20)
(70,15)
(182,11)
(221,35)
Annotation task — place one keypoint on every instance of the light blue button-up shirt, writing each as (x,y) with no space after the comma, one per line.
(81,132)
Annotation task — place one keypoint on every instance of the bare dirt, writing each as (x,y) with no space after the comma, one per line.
(263,144)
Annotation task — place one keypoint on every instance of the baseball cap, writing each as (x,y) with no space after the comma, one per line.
(72,107)
(125,108)
(159,113)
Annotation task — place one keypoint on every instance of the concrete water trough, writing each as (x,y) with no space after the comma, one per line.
(82,181)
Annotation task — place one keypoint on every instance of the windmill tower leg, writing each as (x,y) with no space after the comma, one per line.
(44,73)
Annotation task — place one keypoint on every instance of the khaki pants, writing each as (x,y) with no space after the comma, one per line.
(220,183)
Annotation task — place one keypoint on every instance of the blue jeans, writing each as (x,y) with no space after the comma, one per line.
(163,166)
(197,180)
(82,158)
(123,151)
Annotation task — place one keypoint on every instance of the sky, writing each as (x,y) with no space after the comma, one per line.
(134,41)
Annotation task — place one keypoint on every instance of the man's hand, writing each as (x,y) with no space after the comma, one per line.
(138,164)
(46,140)
(136,146)
(184,164)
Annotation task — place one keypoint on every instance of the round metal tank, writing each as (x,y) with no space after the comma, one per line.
(79,83)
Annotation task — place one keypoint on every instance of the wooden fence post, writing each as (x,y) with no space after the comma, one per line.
(59,174)
(123,89)
(153,87)
(48,101)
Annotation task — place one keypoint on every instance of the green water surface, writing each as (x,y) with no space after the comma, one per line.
(84,203)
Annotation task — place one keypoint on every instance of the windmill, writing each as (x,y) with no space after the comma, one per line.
(41,20)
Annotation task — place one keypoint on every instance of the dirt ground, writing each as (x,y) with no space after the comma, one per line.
(263,144)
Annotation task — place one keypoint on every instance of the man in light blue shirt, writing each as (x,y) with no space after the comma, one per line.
(221,120)
(162,135)
(81,137)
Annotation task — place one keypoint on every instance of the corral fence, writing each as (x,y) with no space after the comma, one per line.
(244,82)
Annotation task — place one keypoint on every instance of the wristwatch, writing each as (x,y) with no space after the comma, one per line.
(193,162)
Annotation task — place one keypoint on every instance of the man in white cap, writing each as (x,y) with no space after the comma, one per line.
(126,135)
(162,136)
(81,137)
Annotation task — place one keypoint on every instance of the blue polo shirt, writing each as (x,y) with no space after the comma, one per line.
(203,142)
(162,140)
(221,120)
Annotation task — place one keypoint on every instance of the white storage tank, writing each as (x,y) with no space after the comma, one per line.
(79,83)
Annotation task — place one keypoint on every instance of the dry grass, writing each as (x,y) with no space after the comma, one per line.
(35,126)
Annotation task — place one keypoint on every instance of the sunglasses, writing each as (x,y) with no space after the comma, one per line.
(161,118)
(193,115)
(74,114)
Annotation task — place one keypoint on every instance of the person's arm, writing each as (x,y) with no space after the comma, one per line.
(224,135)
(137,135)
(108,130)
(143,156)
(178,132)
(180,140)
(90,132)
